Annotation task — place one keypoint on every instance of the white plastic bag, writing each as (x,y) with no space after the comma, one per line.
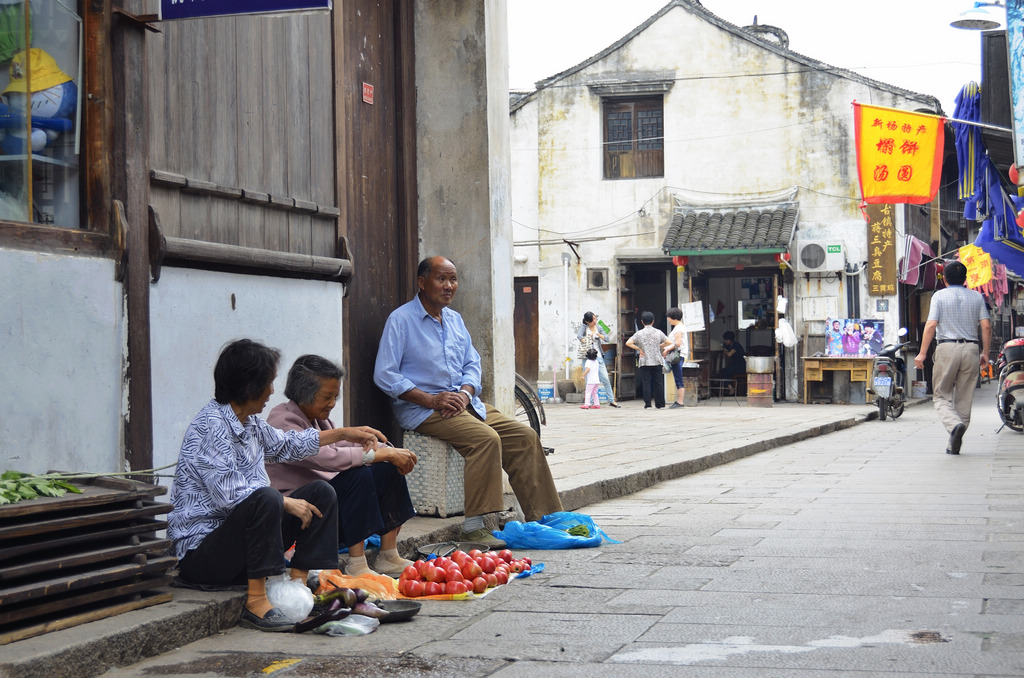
(290,596)
(352,625)
(784,333)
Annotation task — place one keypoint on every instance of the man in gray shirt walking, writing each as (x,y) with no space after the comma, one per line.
(953,321)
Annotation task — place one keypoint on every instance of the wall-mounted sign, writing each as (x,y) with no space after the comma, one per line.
(881,249)
(367,93)
(195,9)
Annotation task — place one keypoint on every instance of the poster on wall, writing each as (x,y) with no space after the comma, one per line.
(693,316)
(853,337)
(756,288)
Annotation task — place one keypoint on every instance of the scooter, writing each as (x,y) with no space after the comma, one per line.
(888,379)
(1010,396)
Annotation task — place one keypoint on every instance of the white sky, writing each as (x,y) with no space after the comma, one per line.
(908,43)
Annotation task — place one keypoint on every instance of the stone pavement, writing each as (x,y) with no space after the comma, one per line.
(613,454)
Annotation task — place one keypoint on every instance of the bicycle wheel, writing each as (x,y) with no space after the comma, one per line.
(525,410)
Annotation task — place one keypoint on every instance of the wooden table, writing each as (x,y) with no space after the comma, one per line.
(815,368)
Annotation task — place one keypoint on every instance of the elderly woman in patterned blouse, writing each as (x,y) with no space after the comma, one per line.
(227,524)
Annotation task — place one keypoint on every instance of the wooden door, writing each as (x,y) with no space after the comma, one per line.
(524,320)
(377,185)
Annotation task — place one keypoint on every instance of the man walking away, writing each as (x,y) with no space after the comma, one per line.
(954,318)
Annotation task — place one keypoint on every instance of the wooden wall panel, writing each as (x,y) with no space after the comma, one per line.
(245,103)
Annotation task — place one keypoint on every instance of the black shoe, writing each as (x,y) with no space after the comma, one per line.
(647,407)
(612,404)
(956,437)
(674,406)
(273,621)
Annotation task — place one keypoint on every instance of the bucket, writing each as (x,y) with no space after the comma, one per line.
(919,389)
(760,390)
(546,391)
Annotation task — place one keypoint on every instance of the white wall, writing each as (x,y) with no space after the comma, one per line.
(195,313)
(62,347)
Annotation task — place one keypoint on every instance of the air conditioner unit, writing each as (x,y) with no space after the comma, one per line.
(819,256)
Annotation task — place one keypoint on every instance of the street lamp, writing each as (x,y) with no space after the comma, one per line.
(981,17)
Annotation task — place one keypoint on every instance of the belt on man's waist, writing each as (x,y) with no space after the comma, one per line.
(957,341)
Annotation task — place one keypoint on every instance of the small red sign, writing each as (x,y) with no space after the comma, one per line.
(367,92)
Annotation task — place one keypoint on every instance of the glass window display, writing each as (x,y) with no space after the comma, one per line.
(40,121)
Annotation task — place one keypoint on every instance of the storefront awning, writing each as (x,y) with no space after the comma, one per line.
(753,229)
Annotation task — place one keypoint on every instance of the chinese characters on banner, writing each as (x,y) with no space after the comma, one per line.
(978,263)
(899,154)
(881,249)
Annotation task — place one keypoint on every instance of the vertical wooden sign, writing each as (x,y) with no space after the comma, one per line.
(881,249)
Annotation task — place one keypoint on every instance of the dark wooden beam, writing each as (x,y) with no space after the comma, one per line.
(129,152)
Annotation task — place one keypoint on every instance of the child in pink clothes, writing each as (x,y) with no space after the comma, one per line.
(591,374)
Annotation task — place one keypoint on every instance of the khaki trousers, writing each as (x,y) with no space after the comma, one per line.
(488,447)
(954,377)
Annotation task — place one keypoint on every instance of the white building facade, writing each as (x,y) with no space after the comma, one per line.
(691,120)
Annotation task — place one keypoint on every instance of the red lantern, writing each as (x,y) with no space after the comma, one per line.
(680,261)
(1013,174)
(782,256)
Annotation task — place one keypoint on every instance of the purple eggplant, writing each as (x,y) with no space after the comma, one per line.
(368,609)
(348,596)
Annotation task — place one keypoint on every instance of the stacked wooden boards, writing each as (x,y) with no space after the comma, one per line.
(81,557)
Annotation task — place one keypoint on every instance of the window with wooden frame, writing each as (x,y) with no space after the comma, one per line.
(41,68)
(634,138)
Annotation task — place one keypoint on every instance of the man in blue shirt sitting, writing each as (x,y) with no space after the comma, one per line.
(427,364)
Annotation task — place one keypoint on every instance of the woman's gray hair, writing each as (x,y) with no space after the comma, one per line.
(305,376)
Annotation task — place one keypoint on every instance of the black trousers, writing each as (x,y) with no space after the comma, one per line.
(652,379)
(372,499)
(251,542)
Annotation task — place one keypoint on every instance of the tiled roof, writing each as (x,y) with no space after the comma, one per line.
(738,228)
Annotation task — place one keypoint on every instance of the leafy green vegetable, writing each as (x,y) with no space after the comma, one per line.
(579,530)
(16,486)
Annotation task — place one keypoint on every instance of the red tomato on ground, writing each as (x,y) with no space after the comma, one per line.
(492,580)
(479,585)
(487,564)
(432,588)
(502,577)
(475,553)
(506,555)
(455,587)
(410,572)
(471,570)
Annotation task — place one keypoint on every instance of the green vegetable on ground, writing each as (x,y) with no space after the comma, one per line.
(579,531)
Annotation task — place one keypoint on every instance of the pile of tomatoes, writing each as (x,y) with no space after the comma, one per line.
(461,572)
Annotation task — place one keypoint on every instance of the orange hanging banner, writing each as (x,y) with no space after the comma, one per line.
(899,154)
(979,265)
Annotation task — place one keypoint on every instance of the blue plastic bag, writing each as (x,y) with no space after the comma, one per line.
(550,532)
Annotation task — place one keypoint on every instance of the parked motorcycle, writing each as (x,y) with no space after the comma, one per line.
(1010,396)
(888,379)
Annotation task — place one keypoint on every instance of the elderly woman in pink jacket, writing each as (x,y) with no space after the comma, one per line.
(373,497)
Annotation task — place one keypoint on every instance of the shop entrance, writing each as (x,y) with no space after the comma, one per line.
(741,302)
(642,287)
